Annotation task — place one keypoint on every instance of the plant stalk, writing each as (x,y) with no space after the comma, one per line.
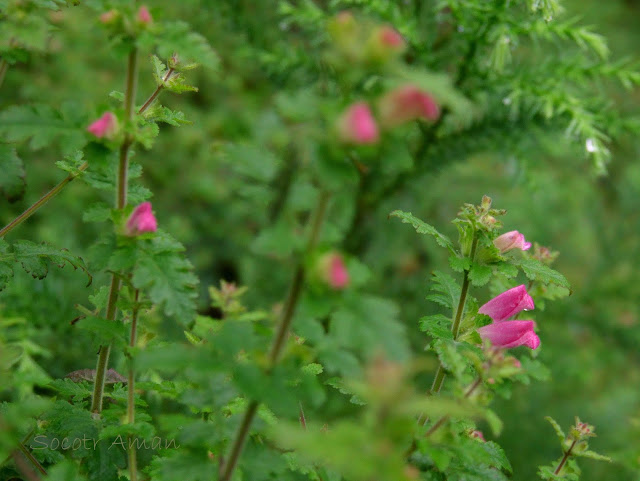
(279,339)
(4,66)
(565,457)
(42,201)
(131,388)
(121,202)
(455,328)
(159,89)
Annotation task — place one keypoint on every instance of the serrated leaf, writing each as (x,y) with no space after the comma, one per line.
(537,271)
(12,182)
(479,275)
(437,326)
(447,291)
(424,228)
(593,455)
(43,125)
(163,272)
(459,264)
(35,258)
(451,360)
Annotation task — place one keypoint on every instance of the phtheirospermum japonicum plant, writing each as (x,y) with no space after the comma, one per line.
(323,386)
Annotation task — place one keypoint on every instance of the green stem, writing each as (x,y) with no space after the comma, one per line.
(121,202)
(4,66)
(42,201)
(131,386)
(159,89)
(30,457)
(565,457)
(455,328)
(279,339)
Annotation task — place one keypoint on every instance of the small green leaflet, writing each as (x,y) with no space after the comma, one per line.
(537,271)
(424,228)
(446,291)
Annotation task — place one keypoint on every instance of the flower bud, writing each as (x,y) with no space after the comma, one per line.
(357,125)
(105,126)
(405,104)
(385,43)
(511,240)
(510,334)
(333,271)
(108,17)
(508,304)
(144,17)
(141,220)
(476,434)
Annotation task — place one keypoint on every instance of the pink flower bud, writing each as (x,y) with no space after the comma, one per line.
(357,125)
(108,17)
(334,271)
(508,304)
(405,104)
(105,126)
(144,16)
(141,220)
(391,38)
(510,334)
(477,435)
(511,240)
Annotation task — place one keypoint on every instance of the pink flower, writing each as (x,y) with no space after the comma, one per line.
(507,304)
(333,271)
(105,126)
(511,334)
(511,240)
(405,104)
(141,220)
(144,16)
(477,435)
(391,38)
(357,125)
(108,17)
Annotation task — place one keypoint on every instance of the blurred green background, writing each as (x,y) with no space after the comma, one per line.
(215,206)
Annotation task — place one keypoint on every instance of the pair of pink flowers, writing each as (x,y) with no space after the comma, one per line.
(357,124)
(504,333)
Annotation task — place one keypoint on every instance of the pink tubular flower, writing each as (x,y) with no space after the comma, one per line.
(511,240)
(405,104)
(333,271)
(508,304)
(357,125)
(105,126)
(141,220)
(144,16)
(510,334)
(391,38)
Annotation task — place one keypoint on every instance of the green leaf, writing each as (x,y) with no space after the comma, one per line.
(437,326)
(557,428)
(537,271)
(177,37)
(480,275)
(459,264)
(12,182)
(44,125)
(592,455)
(447,291)
(451,360)
(424,228)
(35,258)
(163,272)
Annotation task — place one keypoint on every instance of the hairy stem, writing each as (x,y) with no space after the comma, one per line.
(159,89)
(279,339)
(455,328)
(131,390)
(565,457)
(31,458)
(42,200)
(121,202)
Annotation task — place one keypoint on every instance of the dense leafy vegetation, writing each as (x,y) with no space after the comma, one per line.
(204,271)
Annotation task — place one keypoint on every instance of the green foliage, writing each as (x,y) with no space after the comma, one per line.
(12,183)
